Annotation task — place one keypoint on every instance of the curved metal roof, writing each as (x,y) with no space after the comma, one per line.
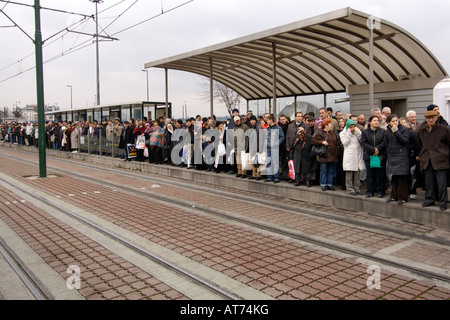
(323,54)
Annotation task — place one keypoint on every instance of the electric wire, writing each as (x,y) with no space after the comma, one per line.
(85,19)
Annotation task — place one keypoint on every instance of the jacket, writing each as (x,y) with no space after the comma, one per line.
(373,139)
(353,151)
(398,153)
(334,145)
(434,146)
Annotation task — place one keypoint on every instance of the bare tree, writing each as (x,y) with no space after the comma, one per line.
(221,94)
(17,113)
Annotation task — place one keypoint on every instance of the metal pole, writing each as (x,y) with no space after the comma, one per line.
(71,101)
(371,85)
(40,91)
(147,85)
(97,49)
(211,87)
(167,93)
(274,76)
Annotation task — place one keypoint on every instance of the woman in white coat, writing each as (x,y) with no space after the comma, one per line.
(353,162)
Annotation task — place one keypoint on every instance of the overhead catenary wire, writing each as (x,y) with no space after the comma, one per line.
(82,45)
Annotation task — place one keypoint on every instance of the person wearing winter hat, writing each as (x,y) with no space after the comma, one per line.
(440,120)
(353,162)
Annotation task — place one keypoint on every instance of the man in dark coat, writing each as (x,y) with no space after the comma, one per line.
(126,137)
(434,141)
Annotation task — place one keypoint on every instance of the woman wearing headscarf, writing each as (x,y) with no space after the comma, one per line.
(305,165)
(353,162)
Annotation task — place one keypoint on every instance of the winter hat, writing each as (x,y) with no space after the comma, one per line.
(431,107)
(350,122)
(234,111)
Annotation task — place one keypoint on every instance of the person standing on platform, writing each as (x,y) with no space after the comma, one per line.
(434,141)
(352,162)
(398,154)
(374,146)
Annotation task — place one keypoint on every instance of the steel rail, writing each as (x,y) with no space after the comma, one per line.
(31,282)
(142,251)
(258,225)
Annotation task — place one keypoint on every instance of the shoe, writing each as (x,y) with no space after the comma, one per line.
(231,172)
(443,207)
(353,194)
(369,195)
(331,188)
(252,178)
(308,184)
(291,181)
(359,193)
(401,202)
(268,180)
(413,196)
(238,175)
(380,195)
(427,204)
(243,176)
(258,179)
(276,181)
(390,200)
(324,188)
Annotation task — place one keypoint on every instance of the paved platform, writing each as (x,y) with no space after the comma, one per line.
(409,212)
(251,259)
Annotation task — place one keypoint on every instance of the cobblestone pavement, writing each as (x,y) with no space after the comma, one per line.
(278,266)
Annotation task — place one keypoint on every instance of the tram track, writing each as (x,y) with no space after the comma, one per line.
(359,223)
(28,278)
(258,225)
(39,291)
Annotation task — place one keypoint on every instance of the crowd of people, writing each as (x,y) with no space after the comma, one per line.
(331,150)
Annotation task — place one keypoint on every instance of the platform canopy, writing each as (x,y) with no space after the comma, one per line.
(324,54)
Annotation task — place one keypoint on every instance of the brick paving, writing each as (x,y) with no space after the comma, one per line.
(280,268)
(104,275)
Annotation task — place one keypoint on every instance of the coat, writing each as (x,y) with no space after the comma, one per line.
(373,139)
(398,153)
(75,138)
(353,151)
(434,146)
(334,145)
(301,154)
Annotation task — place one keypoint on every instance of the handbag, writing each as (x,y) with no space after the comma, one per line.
(319,151)
(375,162)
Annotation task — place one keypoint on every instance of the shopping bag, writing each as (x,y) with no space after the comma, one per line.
(131,151)
(247,163)
(140,142)
(146,152)
(291,170)
(375,162)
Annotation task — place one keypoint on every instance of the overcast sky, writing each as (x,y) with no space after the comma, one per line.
(192,26)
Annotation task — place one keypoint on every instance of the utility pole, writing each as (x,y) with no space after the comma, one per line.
(40,91)
(71,101)
(97,53)
(147,85)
